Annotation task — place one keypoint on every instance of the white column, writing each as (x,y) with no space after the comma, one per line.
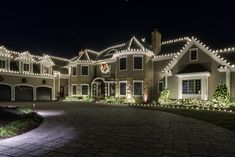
(34,94)
(180,88)
(53,90)
(166,82)
(228,80)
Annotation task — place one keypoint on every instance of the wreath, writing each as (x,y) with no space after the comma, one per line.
(105,68)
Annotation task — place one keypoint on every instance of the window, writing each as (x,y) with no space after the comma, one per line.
(85,70)
(138,62)
(122,63)
(2,64)
(26,67)
(138,87)
(46,69)
(85,89)
(74,89)
(191,86)
(160,86)
(122,86)
(194,54)
(74,71)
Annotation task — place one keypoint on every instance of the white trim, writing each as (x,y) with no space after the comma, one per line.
(204,87)
(88,86)
(190,54)
(142,91)
(120,88)
(193,74)
(133,64)
(228,80)
(120,64)
(72,89)
(87,70)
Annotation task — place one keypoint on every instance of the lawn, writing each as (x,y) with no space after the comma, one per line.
(15,121)
(223,119)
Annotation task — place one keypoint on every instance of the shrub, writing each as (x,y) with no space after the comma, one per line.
(164,98)
(24,110)
(221,97)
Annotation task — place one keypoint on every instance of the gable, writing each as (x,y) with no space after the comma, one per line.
(204,54)
(4,52)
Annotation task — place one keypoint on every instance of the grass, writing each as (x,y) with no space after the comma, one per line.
(23,123)
(222,119)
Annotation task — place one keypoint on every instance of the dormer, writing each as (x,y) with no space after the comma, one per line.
(26,61)
(46,64)
(5,57)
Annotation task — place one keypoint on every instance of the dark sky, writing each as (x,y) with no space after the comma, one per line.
(62,28)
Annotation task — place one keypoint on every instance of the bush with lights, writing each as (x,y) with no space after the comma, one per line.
(164,98)
(221,97)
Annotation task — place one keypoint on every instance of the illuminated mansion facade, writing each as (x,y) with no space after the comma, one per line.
(135,70)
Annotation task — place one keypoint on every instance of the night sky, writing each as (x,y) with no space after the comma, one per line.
(64,28)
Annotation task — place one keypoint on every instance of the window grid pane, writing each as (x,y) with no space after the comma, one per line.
(122,88)
(2,64)
(138,88)
(84,89)
(84,70)
(138,62)
(122,64)
(191,86)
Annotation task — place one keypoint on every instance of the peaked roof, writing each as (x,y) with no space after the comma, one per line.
(86,55)
(173,46)
(203,47)
(133,44)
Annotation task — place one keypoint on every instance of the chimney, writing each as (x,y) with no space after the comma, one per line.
(156,41)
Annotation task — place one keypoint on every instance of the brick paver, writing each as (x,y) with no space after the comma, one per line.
(73,129)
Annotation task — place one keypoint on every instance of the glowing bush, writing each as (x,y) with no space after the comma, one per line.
(221,97)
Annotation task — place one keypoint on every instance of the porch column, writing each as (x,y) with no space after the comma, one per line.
(12,93)
(228,80)
(166,82)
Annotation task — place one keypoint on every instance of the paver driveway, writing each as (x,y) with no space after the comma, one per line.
(72,129)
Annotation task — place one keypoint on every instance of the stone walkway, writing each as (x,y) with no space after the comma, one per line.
(71,129)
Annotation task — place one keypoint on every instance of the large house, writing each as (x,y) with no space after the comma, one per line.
(134,70)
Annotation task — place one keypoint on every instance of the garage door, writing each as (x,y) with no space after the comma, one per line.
(43,94)
(23,93)
(5,91)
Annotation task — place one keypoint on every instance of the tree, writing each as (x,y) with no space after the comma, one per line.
(221,97)
(164,97)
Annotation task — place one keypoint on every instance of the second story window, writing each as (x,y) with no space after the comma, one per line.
(122,63)
(84,70)
(2,64)
(26,67)
(194,54)
(138,62)
(46,70)
(74,71)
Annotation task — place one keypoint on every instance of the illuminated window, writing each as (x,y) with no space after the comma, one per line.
(26,67)
(74,89)
(2,64)
(194,54)
(122,88)
(138,62)
(138,87)
(85,70)
(85,89)
(191,86)
(74,71)
(160,86)
(122,63)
